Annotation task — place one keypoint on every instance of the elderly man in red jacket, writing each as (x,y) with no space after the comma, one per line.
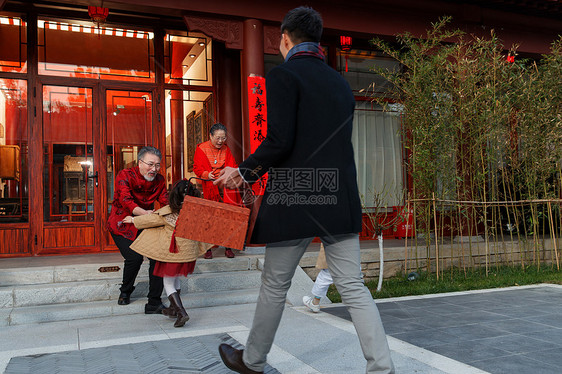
(311,192)
(136,191)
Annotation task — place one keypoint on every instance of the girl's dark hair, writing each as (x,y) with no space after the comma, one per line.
(179,191)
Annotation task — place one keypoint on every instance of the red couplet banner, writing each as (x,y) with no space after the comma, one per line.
(257,109)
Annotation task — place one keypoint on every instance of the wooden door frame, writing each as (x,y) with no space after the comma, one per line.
(100,142)
(37,222)
(158,136)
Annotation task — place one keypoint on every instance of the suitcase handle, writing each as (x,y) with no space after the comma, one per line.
(247,194)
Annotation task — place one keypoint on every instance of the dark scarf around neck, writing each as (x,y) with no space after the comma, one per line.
(306,49)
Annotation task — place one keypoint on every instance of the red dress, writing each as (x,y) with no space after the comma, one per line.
(173,269)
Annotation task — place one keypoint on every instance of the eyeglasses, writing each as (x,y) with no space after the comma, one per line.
(220,138)
(151,165)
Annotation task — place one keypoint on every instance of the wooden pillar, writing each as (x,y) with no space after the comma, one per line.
(158,112)
(35,136)
(229,105)
(251,63)
(176,122)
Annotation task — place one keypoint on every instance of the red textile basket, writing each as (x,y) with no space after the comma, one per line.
(213,222)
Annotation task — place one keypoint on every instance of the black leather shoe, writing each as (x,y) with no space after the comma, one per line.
(124,299)
(154,309)
(232,358)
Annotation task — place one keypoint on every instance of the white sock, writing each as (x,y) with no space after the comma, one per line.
(170,285)
(177,283)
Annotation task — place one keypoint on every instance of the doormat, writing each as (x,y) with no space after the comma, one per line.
(197,354)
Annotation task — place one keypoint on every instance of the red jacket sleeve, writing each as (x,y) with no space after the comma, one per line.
(229,159)
(201,165)
(124,188)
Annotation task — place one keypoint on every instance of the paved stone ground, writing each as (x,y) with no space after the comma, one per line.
(515,331)
(306,343)
(183,355)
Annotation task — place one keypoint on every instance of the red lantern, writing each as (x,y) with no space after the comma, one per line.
(98,14)
(345,43)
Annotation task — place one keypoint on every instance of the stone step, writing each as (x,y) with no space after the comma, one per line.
(98,309)
(108,271)
(108,289)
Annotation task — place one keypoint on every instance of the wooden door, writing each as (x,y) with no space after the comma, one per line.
(14,182)
(89,134)
(71,169)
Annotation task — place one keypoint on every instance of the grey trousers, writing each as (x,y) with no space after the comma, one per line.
(343,257)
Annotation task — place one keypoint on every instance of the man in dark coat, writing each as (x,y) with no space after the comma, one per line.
(311,191)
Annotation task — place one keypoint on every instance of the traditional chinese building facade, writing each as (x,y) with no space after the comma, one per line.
(82,89)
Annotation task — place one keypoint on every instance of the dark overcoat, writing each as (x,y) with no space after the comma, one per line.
(312,186)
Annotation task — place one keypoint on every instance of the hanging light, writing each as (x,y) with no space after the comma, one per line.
(345,44)
(98,14)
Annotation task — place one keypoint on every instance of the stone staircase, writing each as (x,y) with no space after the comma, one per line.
(81,291)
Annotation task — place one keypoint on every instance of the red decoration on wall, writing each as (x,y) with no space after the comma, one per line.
(257,110)
(345,43)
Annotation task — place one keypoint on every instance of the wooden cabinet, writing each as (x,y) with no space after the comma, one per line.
(10,162)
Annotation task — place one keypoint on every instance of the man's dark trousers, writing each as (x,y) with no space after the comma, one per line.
(133,262)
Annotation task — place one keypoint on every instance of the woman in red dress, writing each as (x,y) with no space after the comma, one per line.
(211,157)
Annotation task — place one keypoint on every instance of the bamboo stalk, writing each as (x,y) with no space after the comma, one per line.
(415,219)
(485,213)
(553,235)
(451,241)
(436,240)
(536,256)
(462,243)
(406,239)
(442,222)
(510,227)
(428,239)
